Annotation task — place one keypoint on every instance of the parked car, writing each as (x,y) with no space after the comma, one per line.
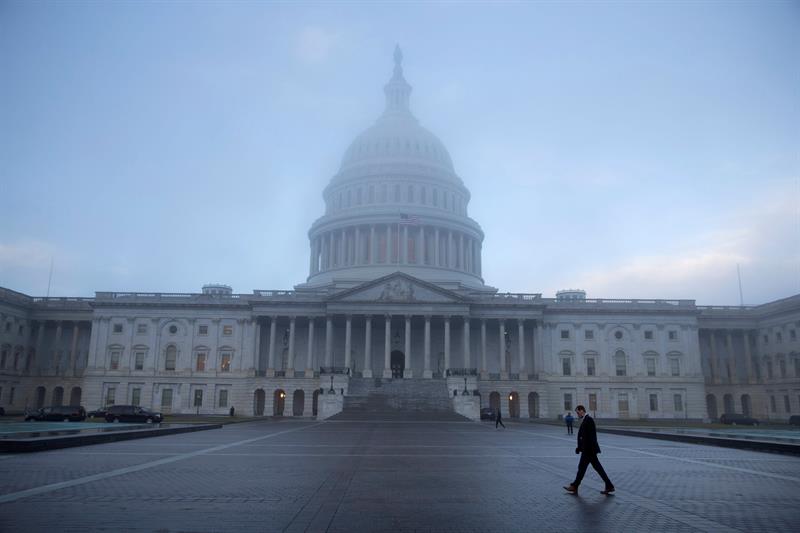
(2,412)
(794,420)
(488,413)
(97,413)
(736,418)
(132,413)
(58,413)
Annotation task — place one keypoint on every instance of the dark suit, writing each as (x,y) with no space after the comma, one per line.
(588,448)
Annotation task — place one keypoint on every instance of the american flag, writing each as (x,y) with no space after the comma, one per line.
(409,220)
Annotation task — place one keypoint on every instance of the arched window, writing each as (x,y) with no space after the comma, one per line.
(620,363)
(170,357)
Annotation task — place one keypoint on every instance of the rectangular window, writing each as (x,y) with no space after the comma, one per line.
(383,193)
(223,398)
(622,404)
(565,334)
(793,334)
(111,394)
(797,368)
(117,328)
(786,405)
(566,367)
(397,193)
(675,367)
(648,335)
(773,407)
(166,399)
(651,367)
(141,329)
(568,402)
(227,331)
(138,361)
(654,402)
(201,362)
(769,369)
(202,329)
(11,396)
(198,397)
(673,335)
(590,371)
(779,337)
(592,402)
(588,334)
(3,358)
(136,396)
(766,338)
(225,364)
(436,197)
(8,327)
(21,330)
(782,366)
(114,364)
(410,198)
(358,196)
(621,365)
(677,402)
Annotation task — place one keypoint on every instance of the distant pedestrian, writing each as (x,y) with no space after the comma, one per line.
(232,410)
(569,419)
(588,448)
(498,420)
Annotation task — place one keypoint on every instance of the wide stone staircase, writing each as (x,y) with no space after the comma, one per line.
(397,399)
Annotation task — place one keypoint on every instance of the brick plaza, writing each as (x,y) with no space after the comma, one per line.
(393,476)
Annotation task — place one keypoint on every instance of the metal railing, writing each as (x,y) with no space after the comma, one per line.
(334,370)
(461,372)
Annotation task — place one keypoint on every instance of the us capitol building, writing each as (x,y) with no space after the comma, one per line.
(395,292)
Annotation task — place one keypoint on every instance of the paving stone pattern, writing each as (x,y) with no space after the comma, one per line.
(354,475)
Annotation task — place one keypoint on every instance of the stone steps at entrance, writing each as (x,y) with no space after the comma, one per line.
(397,399)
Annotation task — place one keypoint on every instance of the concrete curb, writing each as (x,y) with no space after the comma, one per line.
(741,444)
(40,444)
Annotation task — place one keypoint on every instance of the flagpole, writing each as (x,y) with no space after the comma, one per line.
(739,275)
(50,277)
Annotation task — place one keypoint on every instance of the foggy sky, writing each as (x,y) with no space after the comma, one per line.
(631,150)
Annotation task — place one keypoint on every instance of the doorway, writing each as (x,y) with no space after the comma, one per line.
(398,364)
(258,402)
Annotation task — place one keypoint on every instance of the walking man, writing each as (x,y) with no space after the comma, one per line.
(499,420)
(569,419)
(588,448)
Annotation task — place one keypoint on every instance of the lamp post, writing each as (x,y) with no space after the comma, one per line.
(466,392)
(331,391)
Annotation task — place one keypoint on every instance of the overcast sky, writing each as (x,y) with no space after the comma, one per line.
(634,150)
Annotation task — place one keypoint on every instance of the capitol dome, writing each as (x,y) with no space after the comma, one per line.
(396,204)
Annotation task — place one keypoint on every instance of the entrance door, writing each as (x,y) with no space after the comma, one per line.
(398,364)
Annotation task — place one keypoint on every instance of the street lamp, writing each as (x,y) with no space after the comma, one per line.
(331,391)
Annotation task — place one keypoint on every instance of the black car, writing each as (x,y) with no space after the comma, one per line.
(2,412)
(488,413)
(794,420)
(58,413)
(132,413)
(736,418)
(97,413)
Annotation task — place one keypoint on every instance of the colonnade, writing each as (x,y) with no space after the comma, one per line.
(395,243)
(29,353)
(722,360)
(462,360)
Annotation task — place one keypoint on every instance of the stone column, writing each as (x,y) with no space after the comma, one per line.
(273,324)
(311,257)
(427,373)
(404,247)
(343,247)
(748,356)
(54,363)
(480,259)
(389,244)
(367,373)
(422,247)
(713,361)
(484,367)
(387,347)
(329,341)
(436,253)
(466,342)
(446,344)
(37,361)
(372,245)
(357,247)
(73,348)
(310,354)
(290,359)
(256,344)
(502,348)
(732,358)
(347,332)
(407,371)
(462,263)
(523,372)
(470,256)
(331,250)
(450,259)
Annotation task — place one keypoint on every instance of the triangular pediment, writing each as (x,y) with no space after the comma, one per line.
(398,288)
